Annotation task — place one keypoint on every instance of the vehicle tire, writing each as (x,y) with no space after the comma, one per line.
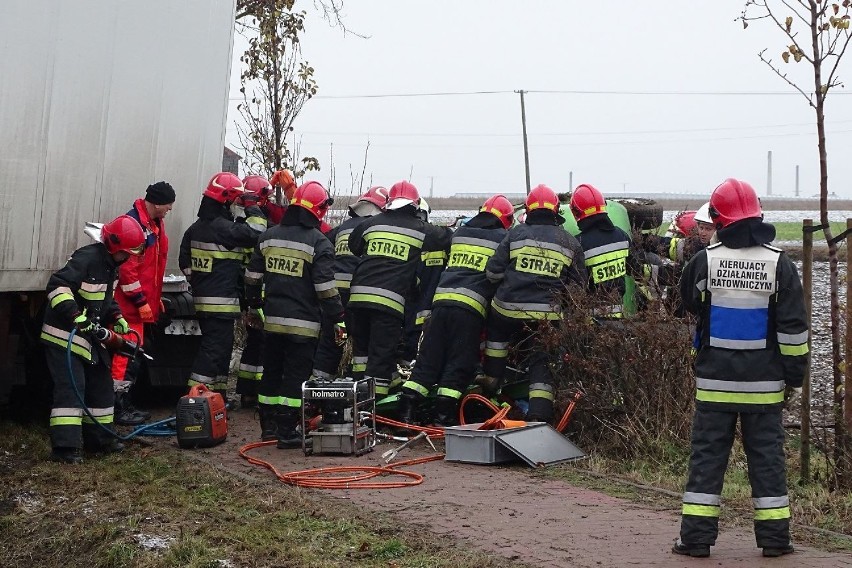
(644,214)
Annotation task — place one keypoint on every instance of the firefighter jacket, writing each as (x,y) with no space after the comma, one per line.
(86,282)
(293,263)
(606,250)
(753,330)
(140,280)
(212,255)
(534,262)
(463,283)
(389,246)
(428,274)
(344,261)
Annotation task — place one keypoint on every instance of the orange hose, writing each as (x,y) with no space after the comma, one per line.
(356,480)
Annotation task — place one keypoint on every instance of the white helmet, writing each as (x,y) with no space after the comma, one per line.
(423,210)
(703,214)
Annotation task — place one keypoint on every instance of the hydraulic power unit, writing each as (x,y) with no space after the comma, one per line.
(341,403)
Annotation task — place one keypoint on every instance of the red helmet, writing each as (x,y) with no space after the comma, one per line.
(501,208)
(542,197)
(312,196)
(684,224)
(402,193)
(377,195)
(224,187)
(586,201)
(258,186)
(123,234)
(732,201)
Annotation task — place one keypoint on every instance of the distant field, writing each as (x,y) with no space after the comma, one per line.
(791,231)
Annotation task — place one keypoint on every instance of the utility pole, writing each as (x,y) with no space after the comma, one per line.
(526,147)
(571,180)
(769,173)
(797,181)
(431,185)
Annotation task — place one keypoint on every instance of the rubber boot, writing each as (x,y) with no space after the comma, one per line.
(288,436)
(268,422)
(123,411)
(446,411)
(407,410)
(71,456)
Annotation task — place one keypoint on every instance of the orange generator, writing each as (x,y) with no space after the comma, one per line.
(201,418)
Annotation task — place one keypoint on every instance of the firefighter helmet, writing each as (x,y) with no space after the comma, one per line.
(258,186)
(542,197)
(423,210)
(377,195)
(312,196)
(224,187)
(703,214)
(683,224)
(402,193)
(501,208)
(123,234)
(733,201)
(586,201)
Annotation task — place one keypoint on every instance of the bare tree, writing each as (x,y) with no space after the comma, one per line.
(817,32)
(276,84)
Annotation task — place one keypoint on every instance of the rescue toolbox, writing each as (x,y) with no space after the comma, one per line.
(201,418)
(536,443)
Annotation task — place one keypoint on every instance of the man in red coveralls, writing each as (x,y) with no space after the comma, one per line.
(140,288)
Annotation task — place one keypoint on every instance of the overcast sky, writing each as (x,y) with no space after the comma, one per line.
(622,143)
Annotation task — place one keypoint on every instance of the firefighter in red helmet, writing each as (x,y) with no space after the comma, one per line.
(752,347)
(259,191)
(389,246)
(533,264)
(449,352)
(606,250)
(371,203)
(80,295)
(293,265)
(212,255)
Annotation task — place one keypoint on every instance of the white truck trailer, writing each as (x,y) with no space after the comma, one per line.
(98,99)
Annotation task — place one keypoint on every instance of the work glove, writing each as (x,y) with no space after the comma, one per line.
(254,318)
(83,323)
(121,326)
(340,333)
(146,314)
(238,211)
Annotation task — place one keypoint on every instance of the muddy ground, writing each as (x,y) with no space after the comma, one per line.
(510,510)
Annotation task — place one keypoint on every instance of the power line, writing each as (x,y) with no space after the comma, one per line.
(593,143)
(566,92)
(589,133)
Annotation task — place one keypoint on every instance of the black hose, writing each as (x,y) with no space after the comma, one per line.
(158,428)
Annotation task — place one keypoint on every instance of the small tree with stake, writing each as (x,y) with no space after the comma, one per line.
(276,84)
(817,32)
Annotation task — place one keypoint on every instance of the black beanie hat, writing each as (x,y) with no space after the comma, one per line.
(160,193)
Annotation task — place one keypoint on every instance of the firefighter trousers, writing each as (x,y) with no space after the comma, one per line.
(213,360)
(763,440)
(449,353)
(251,363)
(70,427)
(329,352)
(287,363)
(375,337)
(501,332)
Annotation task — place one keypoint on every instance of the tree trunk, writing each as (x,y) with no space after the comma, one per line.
(840,441)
